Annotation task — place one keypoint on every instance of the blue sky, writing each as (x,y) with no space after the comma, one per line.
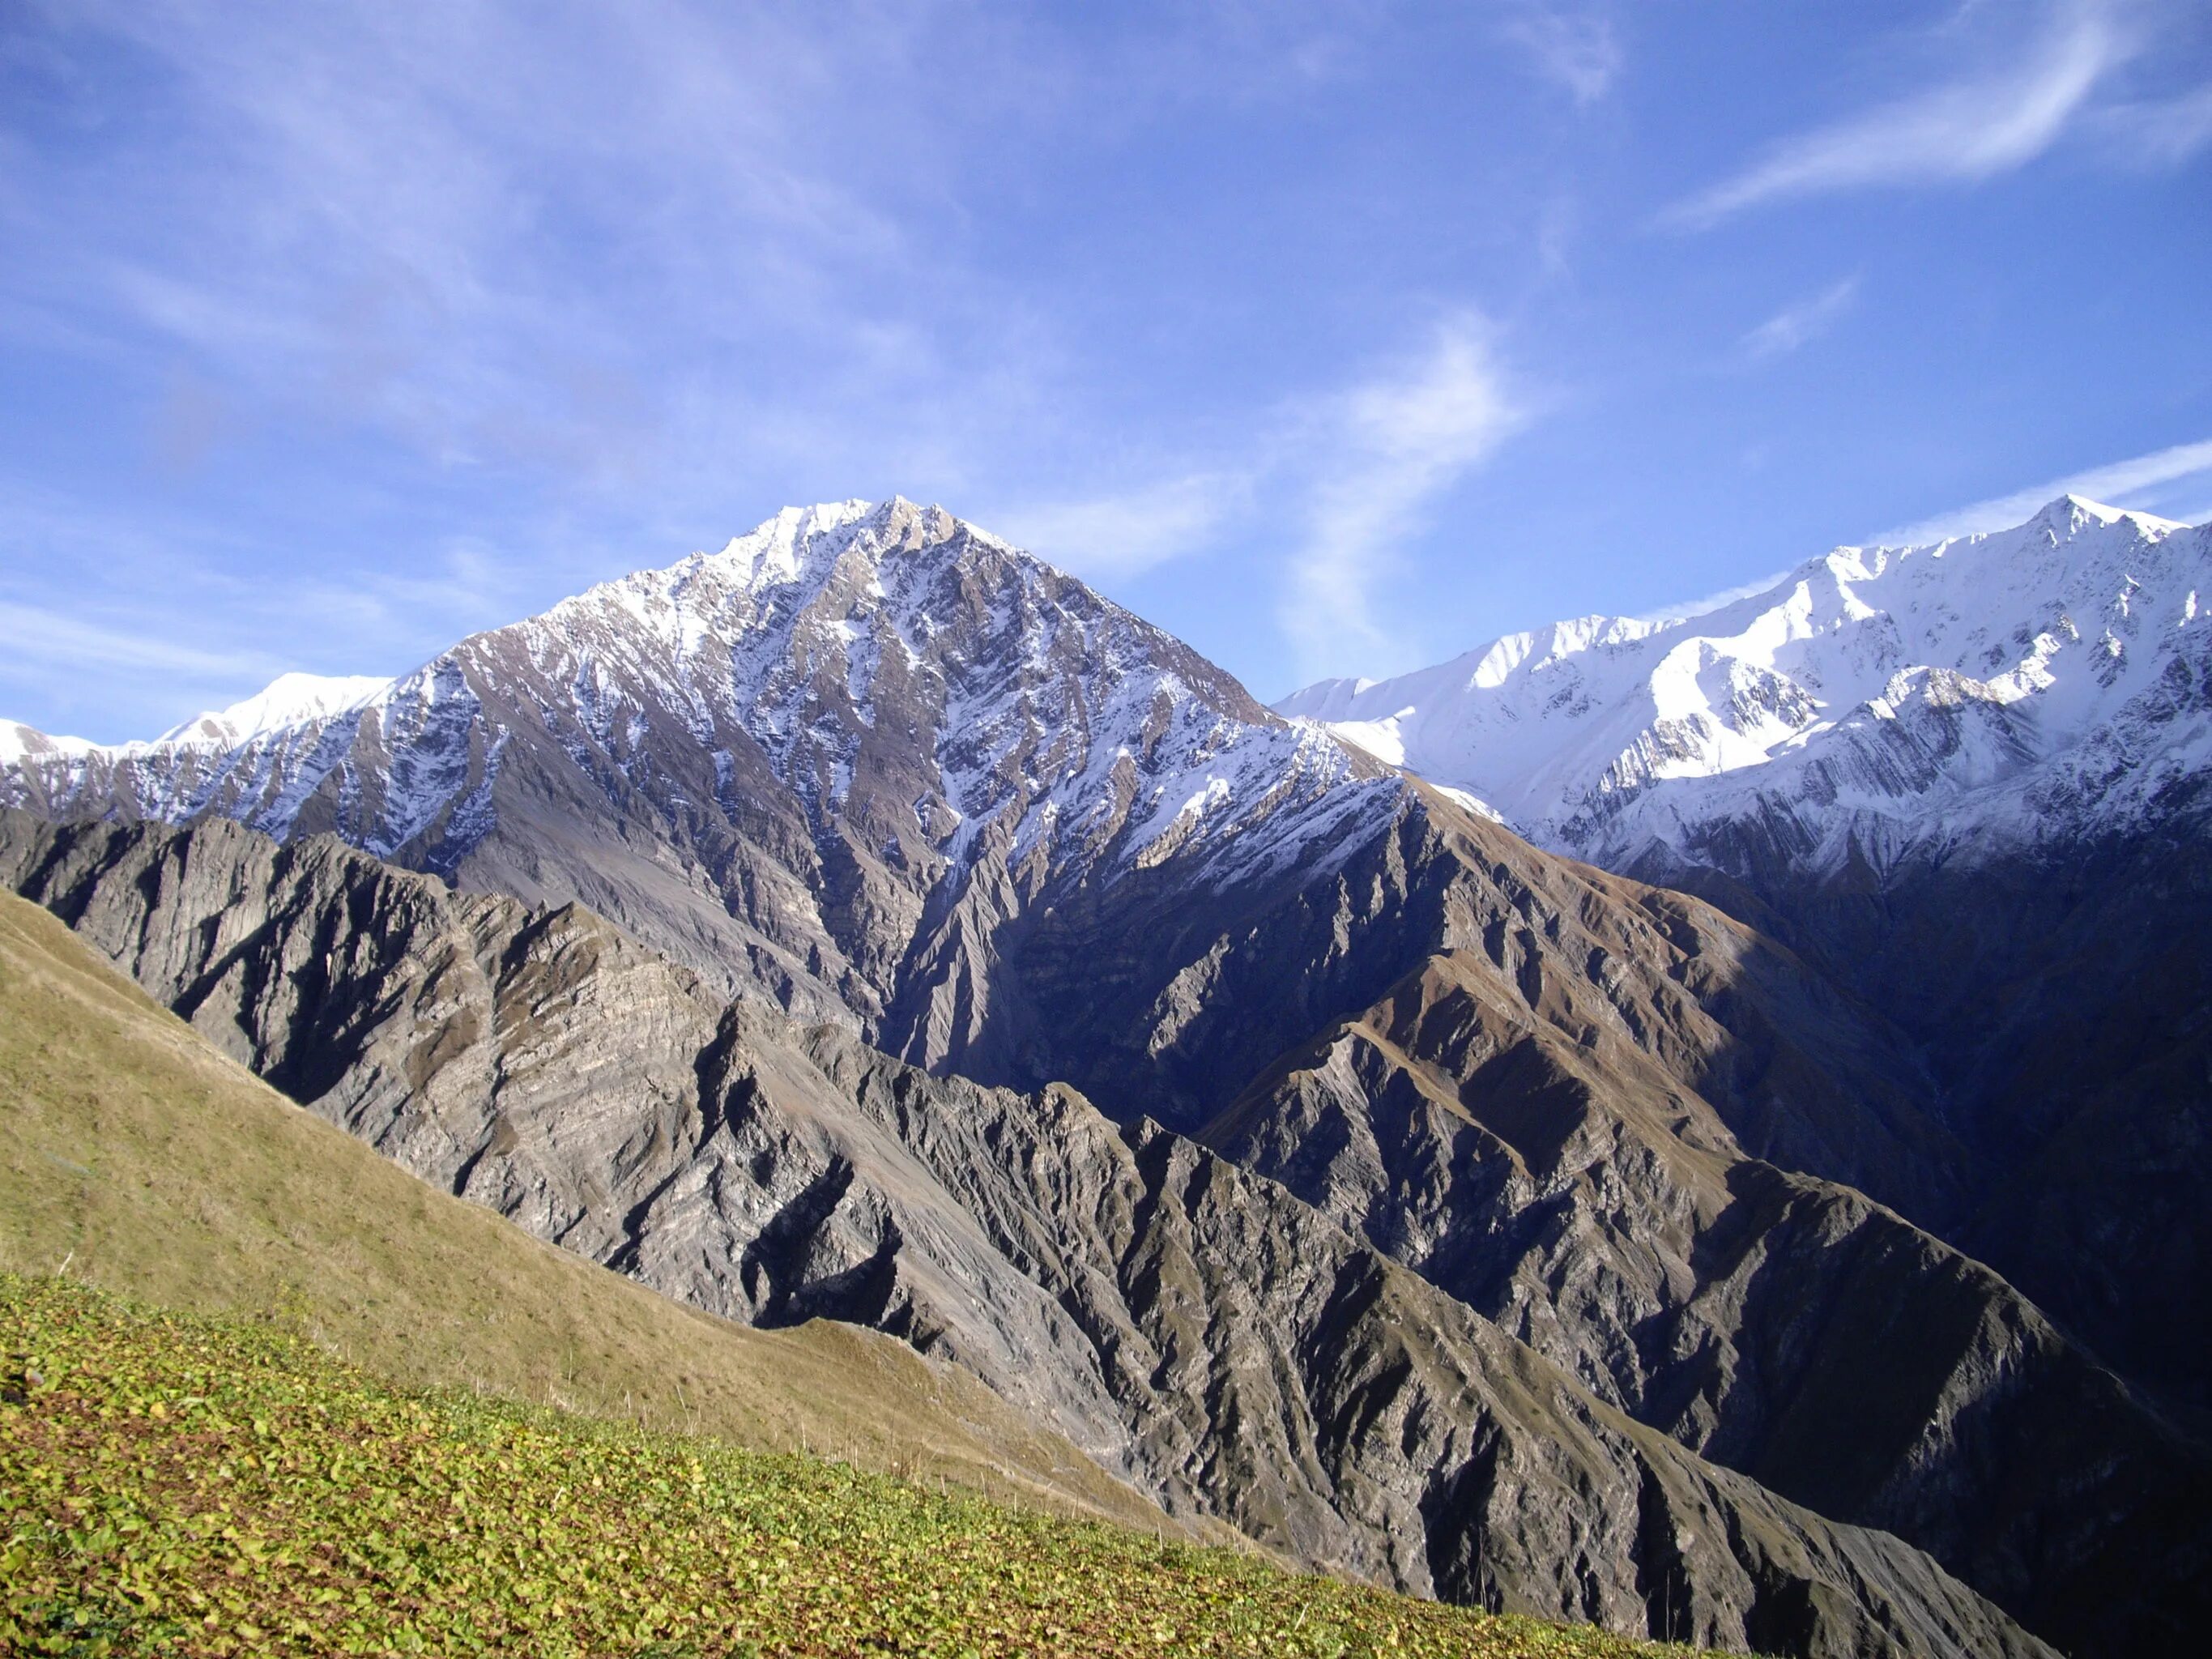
(1334,337)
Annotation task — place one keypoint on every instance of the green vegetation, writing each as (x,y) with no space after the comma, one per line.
(182,1484)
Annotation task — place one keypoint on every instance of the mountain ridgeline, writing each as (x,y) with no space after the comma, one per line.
(869,920)
(1971,784)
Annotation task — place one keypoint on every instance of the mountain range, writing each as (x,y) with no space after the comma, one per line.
(1968,782)
(1689,1124)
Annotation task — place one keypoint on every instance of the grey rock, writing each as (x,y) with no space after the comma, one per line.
(1578,1195)
(1185,1320)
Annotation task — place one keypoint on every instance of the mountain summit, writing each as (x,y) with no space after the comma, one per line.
(827,760)
(1353,1066)
(2032,683)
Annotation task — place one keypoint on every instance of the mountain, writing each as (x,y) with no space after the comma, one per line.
(834,760)
(1982,694)
(1968,784)
(133,1155)
(1194,1326)
(923,793)
(894,774)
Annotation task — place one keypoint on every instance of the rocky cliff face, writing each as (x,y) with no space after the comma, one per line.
(1966,783)
(1579,1196)
(2060,1001)
(1189,1322)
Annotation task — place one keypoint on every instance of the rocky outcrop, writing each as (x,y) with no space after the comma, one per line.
(1231,1347)
(2061,1002)
(1577,1194)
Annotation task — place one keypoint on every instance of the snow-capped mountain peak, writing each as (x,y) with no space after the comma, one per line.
(19,743)
(290,700)
(875,700)
(2068,515)
(778,552)
(1966,691)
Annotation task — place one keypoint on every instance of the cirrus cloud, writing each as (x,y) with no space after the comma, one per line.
(1988,123)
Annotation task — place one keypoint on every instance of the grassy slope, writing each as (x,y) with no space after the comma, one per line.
(180,1485)
(150,1164)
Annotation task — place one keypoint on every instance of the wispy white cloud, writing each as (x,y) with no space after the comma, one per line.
(39,634)
(1125,534)
(1346,473)
(1392,446)
(2142,483)
(459,226)
(469,583)
(1579,50)
(1689,608)
(1796,324)
(2161,132)
(128,622)
(1990,122)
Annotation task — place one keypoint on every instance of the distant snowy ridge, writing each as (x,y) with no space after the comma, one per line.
(2032,682)
(288,702)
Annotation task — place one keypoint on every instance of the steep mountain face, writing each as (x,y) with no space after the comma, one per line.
(914,784)
(903,777)
(1967,782)
(158,1169)
(1787,1326)
(836,760)
(1231,1348)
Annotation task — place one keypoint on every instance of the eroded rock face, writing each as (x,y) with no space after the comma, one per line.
(1191,1323)
(2063,1002)
(1578,1195)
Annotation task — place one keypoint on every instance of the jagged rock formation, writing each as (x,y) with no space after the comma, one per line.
(835,761)
(2061,1001)
(1578,1195)
(1191,1323)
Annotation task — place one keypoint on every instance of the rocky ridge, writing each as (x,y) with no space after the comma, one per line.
(828,761)
(1195,1324)
(1982,694)
(1608,1117)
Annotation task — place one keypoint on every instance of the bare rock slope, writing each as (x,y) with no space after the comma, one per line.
(1230,1348)
(1971,782)
(878,769)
